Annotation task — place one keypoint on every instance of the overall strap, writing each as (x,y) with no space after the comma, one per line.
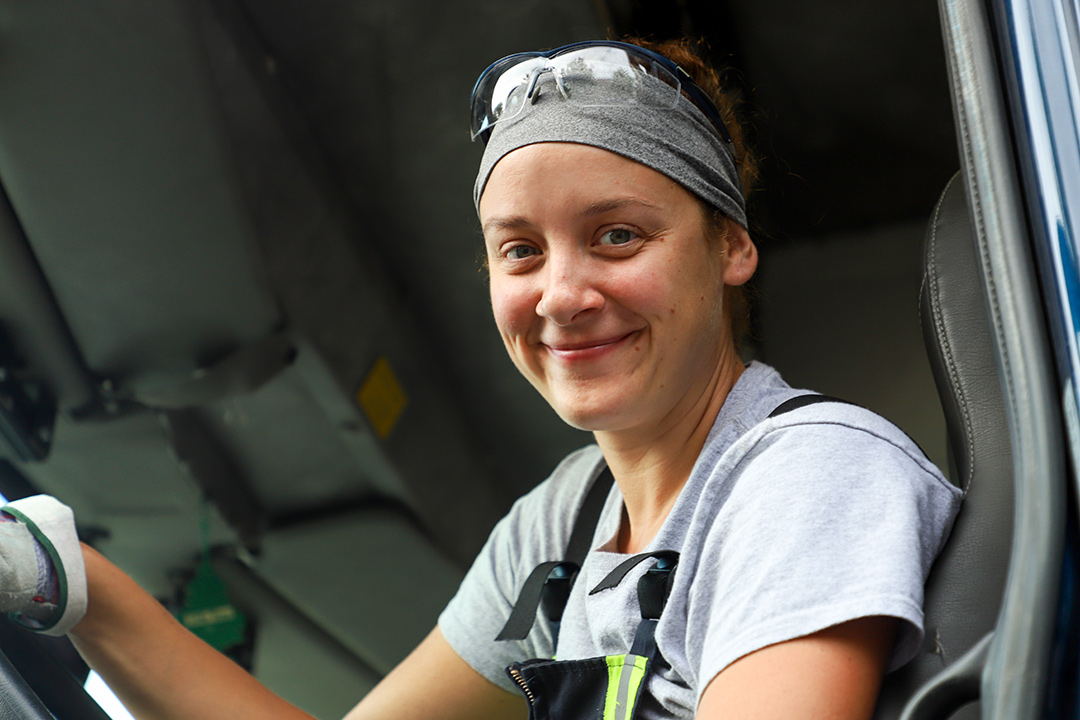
(802,401)
(550,582)
(666,559)
(652,591)
(588,518)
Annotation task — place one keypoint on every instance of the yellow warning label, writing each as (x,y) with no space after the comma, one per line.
(382,398)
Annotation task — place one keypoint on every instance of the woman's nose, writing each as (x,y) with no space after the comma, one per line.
(569,292)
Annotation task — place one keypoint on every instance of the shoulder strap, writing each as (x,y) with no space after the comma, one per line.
(802,401)
(666,560)
(551,581)
(588,518)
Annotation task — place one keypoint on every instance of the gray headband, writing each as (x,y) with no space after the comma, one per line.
(680,143)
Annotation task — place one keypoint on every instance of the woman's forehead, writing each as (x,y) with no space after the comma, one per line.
(552,174)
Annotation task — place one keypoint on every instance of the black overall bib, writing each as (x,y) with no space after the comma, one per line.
(600,688)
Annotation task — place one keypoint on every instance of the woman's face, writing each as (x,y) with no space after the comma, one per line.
(605,285)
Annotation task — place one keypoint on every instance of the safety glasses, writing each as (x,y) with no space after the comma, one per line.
(591,74)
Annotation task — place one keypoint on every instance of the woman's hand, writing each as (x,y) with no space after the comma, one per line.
(41,566)
(834,673)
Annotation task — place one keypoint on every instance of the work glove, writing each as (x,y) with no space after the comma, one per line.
(42,576)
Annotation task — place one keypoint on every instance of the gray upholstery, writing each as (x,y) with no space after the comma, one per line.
(964,591)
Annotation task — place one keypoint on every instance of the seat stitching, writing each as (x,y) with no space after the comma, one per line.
(948,353)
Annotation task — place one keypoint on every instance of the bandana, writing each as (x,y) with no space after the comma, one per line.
(679,142)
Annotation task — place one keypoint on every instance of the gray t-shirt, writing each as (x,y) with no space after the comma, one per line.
(786,526)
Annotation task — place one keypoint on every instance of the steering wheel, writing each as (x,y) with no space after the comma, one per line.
(17,700)
(34,685)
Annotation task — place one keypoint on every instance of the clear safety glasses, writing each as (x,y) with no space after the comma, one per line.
(592,74)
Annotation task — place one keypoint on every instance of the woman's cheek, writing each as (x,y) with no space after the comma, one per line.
(513,309)
(644,291)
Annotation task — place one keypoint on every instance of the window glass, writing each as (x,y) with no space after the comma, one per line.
(105,697)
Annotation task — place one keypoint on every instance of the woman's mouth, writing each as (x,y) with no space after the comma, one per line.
(588,349)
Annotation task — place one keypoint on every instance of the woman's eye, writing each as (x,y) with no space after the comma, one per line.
(520,252)
(618,236)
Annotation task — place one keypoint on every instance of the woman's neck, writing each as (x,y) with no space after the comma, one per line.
(652,465)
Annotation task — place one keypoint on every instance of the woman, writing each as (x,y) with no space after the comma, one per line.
(801,532)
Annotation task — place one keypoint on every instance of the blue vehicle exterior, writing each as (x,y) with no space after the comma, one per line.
(1039,55)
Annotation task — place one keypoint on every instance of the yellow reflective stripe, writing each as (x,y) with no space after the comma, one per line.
(637,676)
(614,673)
(622,688)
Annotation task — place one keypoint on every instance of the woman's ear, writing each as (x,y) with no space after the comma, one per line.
(742,257)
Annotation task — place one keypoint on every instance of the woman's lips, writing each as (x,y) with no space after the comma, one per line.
(586,349)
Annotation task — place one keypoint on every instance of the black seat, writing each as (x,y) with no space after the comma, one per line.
(964,591)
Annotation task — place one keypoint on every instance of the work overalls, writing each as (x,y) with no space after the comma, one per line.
(601,688)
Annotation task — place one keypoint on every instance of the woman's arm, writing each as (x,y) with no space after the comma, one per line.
(434,682)
(163,672)
(157,668)
(834,673)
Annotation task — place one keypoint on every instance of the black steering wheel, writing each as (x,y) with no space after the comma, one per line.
(35,685)
(17,700)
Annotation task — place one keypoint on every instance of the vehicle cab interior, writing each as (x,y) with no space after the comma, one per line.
(245,331)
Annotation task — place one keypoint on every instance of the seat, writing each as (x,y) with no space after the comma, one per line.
(966,584)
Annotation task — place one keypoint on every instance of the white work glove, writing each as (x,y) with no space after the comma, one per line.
(42,576)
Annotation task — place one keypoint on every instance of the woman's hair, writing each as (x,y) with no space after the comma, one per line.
(689,56)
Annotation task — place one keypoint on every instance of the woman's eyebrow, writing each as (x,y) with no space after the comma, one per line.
(603,206)
(517,222)
(505,222)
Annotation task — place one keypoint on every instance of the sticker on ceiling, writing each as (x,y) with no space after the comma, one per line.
(382,398)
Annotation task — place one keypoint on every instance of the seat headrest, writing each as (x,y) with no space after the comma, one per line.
(964,591)
(959,341)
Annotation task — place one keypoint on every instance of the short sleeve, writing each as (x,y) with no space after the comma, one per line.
(535,531)
(825,523)
(477,612)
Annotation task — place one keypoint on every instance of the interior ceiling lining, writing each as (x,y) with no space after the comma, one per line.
(125,258)
(385,602)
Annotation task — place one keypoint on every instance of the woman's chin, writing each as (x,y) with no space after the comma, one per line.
(600,404)
(594,418)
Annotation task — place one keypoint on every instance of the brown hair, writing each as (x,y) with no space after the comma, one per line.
(690,57)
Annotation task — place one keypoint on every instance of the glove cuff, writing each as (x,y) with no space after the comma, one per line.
(53,525)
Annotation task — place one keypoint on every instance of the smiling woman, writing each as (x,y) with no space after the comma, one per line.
(802,529)
(728,547)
